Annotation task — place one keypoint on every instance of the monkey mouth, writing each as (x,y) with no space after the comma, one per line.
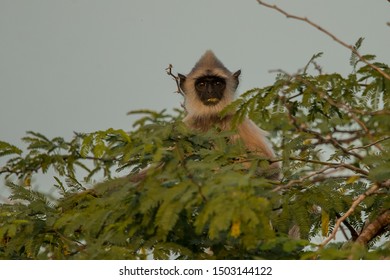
(212,101)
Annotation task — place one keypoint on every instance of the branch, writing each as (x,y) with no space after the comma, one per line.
(351,229)
(350,47)
(340,220)
(372,144)
(318,135)
(77,159)
(334,165)
(332,102)
(305,179)
(375,228)
(175,78)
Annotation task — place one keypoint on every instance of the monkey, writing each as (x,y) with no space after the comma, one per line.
(208,89)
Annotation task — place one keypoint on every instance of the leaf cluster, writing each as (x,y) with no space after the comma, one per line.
(191,195)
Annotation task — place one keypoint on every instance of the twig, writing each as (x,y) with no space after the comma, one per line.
(333,165)
(175,78)
(342,106)
(340,220)
(319,136)
(351,229)
(350,47)
(344,233)
(304,179)
(371,144)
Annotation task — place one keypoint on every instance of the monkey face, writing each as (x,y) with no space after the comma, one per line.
(210,89)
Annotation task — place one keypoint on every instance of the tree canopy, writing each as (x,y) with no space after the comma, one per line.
(162,191)
(199,199)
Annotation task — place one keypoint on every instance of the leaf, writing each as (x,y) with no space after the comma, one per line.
(235,230)
(27,180)
(352,179)
(324,223)
(354,59)
(99,148)
(312,60)
(201,190)
(86,145)
(8,149)
(380,173)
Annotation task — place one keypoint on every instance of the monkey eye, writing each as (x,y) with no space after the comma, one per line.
(201,85)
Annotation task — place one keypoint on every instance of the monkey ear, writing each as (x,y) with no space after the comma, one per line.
(235,77)
(237,74)
(182,77)
(182,80)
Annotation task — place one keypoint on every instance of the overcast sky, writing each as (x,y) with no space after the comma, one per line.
(81,65)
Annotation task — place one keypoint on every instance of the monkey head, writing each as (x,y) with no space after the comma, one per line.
(209,87)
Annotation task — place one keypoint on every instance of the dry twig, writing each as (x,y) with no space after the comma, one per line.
(350,47)
(175,78)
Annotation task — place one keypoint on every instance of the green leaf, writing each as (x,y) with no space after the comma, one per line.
(8,149)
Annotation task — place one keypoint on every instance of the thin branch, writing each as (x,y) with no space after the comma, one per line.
(77,158)
(177,81)
(80,246)
(371,144)
(305,179)
(175,78)
(377,113)
(351,229)
(333,165)
(340,220)
(332,102)
(331,35)
(320,136)
(344,233)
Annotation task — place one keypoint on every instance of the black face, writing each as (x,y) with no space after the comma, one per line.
(210,89)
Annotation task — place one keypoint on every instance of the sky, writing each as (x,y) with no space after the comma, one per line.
(81,65)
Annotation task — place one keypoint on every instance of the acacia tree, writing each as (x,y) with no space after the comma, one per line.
(198,198)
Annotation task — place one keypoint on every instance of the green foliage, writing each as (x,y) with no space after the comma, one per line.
(200,196)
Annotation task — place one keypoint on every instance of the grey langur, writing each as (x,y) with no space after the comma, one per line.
(208,89)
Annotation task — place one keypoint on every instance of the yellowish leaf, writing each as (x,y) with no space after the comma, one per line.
(352,179)
(235,230)
(27,180)
(324,222)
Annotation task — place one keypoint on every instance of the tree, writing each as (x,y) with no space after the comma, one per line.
(199,199)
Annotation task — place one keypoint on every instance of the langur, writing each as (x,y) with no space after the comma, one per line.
(208,89)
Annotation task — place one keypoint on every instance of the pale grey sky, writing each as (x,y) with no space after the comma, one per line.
(81,65)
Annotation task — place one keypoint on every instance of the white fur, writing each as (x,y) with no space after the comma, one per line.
(252,136)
